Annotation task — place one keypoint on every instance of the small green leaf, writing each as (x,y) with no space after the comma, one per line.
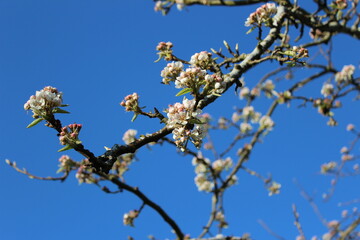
(184,91)
(64,105)
(59,110)
(216,94)
(67,147)
(33,123)
(251,29)
(195,121)
(134,117)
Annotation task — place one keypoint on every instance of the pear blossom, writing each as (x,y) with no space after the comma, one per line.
(44,101)
(202,59)
(261,15)
(345,75)
(129,136)
(274,188)
(245,127)
(171,71)
(266,122)
(327,89)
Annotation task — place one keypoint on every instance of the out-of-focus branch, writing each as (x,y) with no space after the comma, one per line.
(114,179)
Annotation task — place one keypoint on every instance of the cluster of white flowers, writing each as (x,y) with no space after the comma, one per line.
(129,136)
(266,122)
(131,102)
(249,113)
(215,82)
(327,89)
(190,77)
(274,188)
(245,127)
(345,75)
(65,163)
(202,59)
(202,180)
(44,101)
(268,88)
(327,167)
(203,183)
(300,52)
(181,113)
(83,176)
(179,116)
(261,15)
(129,217)
(221,164)
(171,71)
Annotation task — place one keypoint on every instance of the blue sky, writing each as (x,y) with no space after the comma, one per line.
(97,52)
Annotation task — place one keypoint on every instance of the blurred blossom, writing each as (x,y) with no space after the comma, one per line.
(129,218)
(266,122)
(268,88)
(245,127)
(327,89)
(333,224)
(235,117)
(327,167)
(347,157)
(274,188)
(345,75)
(129,136)
(344,213)
(350,127)
(244,93)
(344,150)
(203,183)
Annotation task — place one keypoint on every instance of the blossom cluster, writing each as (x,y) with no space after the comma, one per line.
(190,77)
(131,102)
(268,88)
(261,15)
(165,50)
(43,102)
(345,75)
(327,89)
(274,188)
(66,163)
(245,93)
(163,5)
(129,217)
(202,59)
(180,117)
(195,76)
(204,170)
(84,175)
(300,52)
(129,136)
(69,134)
(171,72)
(122,164)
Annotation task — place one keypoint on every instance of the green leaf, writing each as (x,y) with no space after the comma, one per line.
(64,105)
(67,147)
(59,110)
(216,94)
(184,91)
(33,123)
(251,29)
(195,121)
(134,117)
